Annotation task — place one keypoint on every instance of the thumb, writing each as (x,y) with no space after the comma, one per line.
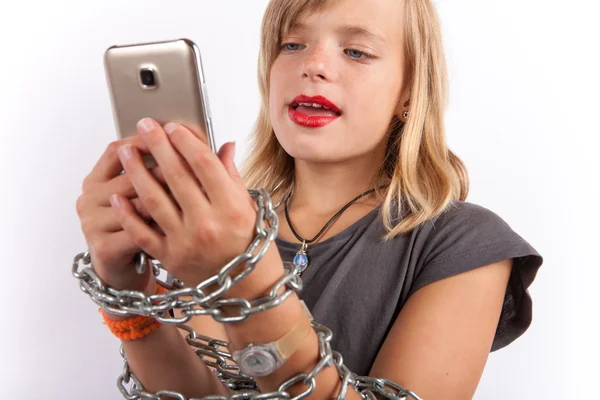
(226,154)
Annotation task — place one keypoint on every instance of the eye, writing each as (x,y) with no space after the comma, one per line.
(291,46)
(357,54)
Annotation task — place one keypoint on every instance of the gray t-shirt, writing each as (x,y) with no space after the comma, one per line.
(356,284)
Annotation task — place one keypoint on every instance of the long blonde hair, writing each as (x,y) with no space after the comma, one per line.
(424,176)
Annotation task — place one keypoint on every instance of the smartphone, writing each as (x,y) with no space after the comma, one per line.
(161,80)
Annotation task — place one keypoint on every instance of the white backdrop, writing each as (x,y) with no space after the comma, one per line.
(523,116)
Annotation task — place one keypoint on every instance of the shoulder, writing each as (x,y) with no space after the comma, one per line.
(467,228)
(467,236)
(466,214)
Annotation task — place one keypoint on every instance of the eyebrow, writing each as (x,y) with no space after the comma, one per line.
(347,30)
(357,30)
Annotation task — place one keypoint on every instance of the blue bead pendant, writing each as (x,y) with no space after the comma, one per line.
(301,258)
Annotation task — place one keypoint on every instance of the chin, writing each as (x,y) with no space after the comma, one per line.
(313,158)
(313,150)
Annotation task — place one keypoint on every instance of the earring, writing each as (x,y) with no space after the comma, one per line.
(405,115)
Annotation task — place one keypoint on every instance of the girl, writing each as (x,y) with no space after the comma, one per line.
(417,285)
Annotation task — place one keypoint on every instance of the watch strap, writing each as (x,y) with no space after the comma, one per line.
(291,341)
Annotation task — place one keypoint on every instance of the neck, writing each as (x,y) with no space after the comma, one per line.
(325,188)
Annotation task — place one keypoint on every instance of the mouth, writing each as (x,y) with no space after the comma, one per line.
(315,105)
(313,111)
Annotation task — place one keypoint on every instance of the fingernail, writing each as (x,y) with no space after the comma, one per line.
(233,149)
(125,152)
(170,127)
(145,125)
(114,201)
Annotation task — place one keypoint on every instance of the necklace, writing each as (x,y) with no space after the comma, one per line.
(301,257)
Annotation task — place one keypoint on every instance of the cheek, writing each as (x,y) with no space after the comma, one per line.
(373,107)
(377,95)
(272,97)
(372,103)
(275,85)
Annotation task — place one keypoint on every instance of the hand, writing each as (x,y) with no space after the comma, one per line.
(111,249)
(210,219)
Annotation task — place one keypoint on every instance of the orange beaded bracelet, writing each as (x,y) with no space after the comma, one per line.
(135,327)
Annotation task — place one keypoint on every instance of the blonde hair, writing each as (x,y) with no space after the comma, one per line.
(424,175)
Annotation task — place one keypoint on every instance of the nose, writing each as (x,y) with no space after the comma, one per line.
(317,65)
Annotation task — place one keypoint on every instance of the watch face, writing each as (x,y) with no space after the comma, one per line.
(257,362)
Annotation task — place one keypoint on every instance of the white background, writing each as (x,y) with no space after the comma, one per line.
(523,116)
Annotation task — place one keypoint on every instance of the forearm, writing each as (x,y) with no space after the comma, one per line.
(163,360)
(274,323)
(271,324)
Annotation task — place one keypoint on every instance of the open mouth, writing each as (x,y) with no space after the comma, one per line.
(314,109)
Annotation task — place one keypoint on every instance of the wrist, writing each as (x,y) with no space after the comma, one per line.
(126,278)
(267,272)
(149,290)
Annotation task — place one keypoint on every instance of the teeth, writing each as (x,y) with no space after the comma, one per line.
(315,105)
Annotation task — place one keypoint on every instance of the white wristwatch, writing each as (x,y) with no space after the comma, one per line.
(261,359)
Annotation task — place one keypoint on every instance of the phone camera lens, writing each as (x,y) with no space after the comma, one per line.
(147,77)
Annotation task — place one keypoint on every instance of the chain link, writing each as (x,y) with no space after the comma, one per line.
(214,352)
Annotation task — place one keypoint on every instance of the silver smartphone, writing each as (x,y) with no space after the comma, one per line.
(161,80)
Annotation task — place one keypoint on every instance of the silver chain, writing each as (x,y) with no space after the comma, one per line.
(214,352)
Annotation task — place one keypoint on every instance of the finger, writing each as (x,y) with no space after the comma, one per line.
(158,203)
(105,219)
(177,173)
(227,156)
(120,246)
(122,185)
(206,165)
(109,164)
(158,175)
(141,209)
(156,227)
(143,235)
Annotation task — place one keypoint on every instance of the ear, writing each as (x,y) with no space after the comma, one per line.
(403,104)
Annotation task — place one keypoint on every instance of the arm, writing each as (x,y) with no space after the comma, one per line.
(437,347)
(441,340)
(164,361)
(273,323)
(205,325)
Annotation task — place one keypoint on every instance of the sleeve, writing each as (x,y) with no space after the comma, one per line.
(468,236)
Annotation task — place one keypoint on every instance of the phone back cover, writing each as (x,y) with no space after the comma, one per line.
(179,94)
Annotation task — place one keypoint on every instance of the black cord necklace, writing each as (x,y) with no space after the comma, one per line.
(301,258)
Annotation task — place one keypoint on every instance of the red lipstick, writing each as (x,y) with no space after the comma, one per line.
(313,111)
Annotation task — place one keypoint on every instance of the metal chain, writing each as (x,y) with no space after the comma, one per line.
(369,388)
(214,352)
(129,302)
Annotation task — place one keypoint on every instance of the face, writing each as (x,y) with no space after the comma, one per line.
(335,85)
